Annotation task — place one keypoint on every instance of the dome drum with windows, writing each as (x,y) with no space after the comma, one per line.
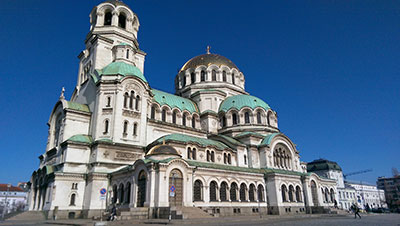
(209,68)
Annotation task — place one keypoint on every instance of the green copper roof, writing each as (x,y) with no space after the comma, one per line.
(163,98)
(228,139)
(122,68)
(322,164)
(81,138)
(181,138)
(123,44)
(77,106)
(249,133)
(240,101)
(267,140)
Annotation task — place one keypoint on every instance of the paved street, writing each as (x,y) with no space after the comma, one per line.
(334,220)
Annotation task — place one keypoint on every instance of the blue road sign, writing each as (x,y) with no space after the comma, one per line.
(172,188)
(103,191)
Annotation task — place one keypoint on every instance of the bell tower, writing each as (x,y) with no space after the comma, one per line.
(112,23)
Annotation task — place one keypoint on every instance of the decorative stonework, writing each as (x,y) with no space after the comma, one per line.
(126,156)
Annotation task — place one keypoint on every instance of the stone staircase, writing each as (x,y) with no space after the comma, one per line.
(28,216)
(134,213)
(194,212)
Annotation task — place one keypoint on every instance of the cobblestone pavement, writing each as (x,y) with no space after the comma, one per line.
(306,220)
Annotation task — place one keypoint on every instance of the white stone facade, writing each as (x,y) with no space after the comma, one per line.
(220,147)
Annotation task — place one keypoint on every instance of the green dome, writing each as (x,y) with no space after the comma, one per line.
(122,68)
(240,101)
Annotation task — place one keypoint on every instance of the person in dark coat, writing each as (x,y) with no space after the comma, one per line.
(356,210)
(113,215)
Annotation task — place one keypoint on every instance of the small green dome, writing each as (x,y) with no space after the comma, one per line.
(240,101)
(122,68)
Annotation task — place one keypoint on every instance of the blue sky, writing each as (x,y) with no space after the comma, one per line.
(329,68)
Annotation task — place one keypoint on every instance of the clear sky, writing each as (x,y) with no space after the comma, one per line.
(329,68)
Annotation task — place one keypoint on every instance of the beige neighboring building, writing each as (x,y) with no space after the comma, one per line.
(210,148)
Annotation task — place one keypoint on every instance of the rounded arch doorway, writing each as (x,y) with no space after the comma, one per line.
(175,188)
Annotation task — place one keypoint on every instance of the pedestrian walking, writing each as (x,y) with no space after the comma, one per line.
(356,210)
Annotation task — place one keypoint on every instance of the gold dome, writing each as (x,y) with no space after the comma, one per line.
(207,60)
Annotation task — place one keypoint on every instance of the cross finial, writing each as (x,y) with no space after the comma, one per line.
(62,93)
(208,49)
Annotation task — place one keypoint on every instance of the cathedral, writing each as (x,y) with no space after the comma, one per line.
(210,149)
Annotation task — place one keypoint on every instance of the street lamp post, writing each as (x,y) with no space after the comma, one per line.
(6,204)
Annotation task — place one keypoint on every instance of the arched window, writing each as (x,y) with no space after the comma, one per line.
(225,158)
(183,80)
(202,76)
(194,122)
(121,193)
(125,127)
(107,18)
(229,159)
(233,78)
(108,102)
(189,153)
(284,191)
(141,188)
(184,119)
(131,99)
(128,193)
(245,159)
(251,192)
(106,124)
(212,156)
(260,192)
(222,191)
(134,129)
(223,121)
(291,193)
(208,156)
(194,154)
(72,200)
(164,115)
(234,119)
(242,192)
(224,76)
(246,117)
(137,103)
(233,191)
(192,78)
(298,194)
(258,117)
(214,75)
(153,112)
(174,117)
(197,190)
(127,54)
(122,21)
(213,191)
(115,194)
(126,97)
(332,193)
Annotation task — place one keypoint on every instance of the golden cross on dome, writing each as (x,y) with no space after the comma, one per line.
(208,49)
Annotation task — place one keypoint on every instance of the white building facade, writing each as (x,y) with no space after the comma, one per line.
(211,146)
(367,194)
(12,198)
